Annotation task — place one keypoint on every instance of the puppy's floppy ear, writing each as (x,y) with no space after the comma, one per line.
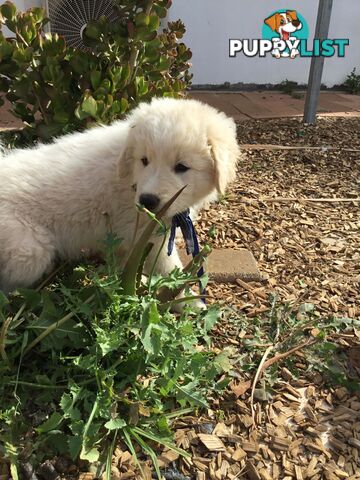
(292,14)
(273,22)
(225,152)
(126,161)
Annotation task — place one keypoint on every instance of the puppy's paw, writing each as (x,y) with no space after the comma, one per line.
(198,304)
(195,304)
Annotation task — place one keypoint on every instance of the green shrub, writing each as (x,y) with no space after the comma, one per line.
(55,89)
(352,82)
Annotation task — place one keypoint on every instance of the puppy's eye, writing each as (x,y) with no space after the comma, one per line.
(145,161)
(181,168)
(282,21)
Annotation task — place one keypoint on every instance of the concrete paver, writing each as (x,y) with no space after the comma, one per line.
(226,265)
(268,105)
(222,102)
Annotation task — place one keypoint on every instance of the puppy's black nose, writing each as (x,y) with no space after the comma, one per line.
(296,23)
(149,201)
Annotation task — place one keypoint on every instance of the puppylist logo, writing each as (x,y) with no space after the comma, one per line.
(285,34)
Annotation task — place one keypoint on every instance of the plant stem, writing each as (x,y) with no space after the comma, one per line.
(3,332)
(109,456)
(155,262)
(91,418)
(37,385)
(134,52)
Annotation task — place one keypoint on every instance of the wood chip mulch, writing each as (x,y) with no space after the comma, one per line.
(307,251)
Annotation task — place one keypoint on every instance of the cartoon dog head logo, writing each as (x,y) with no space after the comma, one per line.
(286,23)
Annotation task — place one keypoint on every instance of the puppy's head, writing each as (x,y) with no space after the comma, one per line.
(176,143)
(284,23)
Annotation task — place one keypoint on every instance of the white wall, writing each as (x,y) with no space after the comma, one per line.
(210,24)
(25,4)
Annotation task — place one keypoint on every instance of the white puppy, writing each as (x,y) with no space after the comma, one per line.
(57,200)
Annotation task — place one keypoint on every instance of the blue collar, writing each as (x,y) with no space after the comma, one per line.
(183,220)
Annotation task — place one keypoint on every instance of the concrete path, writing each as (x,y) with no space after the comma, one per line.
(252,105)
(7,119)
(264,104)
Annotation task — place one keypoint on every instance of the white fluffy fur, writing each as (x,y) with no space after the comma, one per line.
(57,200)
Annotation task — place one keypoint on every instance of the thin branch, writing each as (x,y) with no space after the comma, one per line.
(298,199)
(134,52)
(244,386)
(267,146)
(256,379)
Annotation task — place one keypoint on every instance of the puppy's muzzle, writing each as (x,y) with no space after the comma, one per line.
(149,201)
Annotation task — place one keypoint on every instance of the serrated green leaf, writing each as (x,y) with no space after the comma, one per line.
(210,318)
(91,455)
(67,404)
(190,394)
(115,423)
(222,361)
(163,426)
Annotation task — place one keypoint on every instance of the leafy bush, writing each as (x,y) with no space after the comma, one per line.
(55,89)
(352,82)
(97,356)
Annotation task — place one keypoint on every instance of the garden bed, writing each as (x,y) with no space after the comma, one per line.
(292,409)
